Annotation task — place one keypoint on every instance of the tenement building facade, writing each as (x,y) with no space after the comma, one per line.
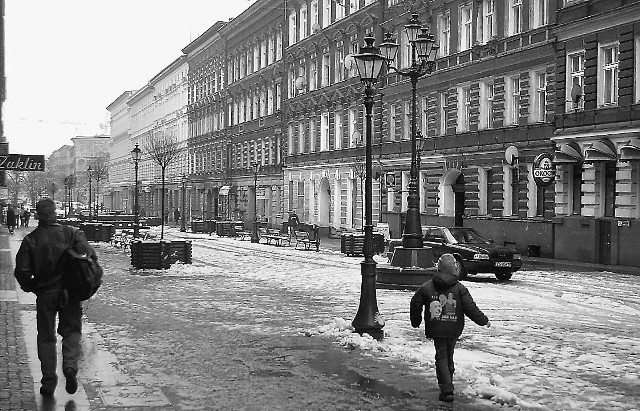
(527,119)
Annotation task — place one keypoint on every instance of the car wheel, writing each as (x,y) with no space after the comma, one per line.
(463,271)
(503,275)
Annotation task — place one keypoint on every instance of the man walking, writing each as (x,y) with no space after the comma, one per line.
(36,272)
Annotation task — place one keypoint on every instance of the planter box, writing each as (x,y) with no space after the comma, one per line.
(160,254)
(98,231)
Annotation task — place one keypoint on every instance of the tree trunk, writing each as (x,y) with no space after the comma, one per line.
(162,209)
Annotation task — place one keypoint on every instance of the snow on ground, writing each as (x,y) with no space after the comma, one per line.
(558,341)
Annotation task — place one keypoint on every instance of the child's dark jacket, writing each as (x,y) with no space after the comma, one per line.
(446,302)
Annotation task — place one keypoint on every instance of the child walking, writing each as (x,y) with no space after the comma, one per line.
(447,301)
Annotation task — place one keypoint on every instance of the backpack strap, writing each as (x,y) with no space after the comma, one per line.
(68,235)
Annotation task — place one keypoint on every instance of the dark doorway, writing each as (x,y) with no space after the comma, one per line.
(458,192)
(604,241)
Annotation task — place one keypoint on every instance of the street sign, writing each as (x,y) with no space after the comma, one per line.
(22,162)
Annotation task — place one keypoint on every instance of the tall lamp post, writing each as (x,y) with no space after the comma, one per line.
(90,175)
(254,232)
(183,228)
(66,193)
(135,155)
(369,63)
(423,55)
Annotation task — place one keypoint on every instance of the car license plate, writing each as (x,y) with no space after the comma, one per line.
(503,263)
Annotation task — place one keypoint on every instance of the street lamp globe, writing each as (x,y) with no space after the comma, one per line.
(369,62)
(412,28)
(136,153)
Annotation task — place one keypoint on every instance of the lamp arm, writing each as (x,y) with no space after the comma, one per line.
(417,70)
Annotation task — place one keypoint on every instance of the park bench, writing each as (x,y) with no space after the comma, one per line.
(307,236)
(274,236)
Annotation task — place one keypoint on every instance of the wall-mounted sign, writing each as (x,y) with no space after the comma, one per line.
(22,162)
(544,172)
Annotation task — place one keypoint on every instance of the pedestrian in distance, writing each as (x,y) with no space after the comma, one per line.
(11,218)
(176,215)
(36,272)
(27,217)
(21,215)
(446,303)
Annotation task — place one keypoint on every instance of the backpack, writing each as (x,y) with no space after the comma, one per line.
(81,274)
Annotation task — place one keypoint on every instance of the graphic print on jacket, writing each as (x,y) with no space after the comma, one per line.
(443,308)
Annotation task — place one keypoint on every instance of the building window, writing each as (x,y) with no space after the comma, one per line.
(313,74)
(539,96)
(324,131)
(512,109)
(270,100)
(277,96)
(292,28)
(340,9)
(315,15)
(576,189)
(637,73)
(263,54)
(337,128)
(271,54)
(340,72)
(442,110)
(291,92)
(488,20)
(515,17)
(486,105)
(608,75)
(301,137)
(405,51)
(406,124)
(609,188)
(353,126)
(278,45)
(539,11)
(464,108)
(326,65)
(392,122)
(354,5)
(444,33)
(290,140)
(304,29)
(515,190)
(424,119)
(312,135)
(466,24)
(326,13)
(575,80)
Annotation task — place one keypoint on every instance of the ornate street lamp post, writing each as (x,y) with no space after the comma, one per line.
(135,155)
(369,63)
(423,55)
(90,176)
(66,194)
(254,231)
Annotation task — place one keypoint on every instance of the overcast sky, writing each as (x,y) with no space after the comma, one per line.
(67,60)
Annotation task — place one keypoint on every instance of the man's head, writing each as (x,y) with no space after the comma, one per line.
(447,263)
(46,210)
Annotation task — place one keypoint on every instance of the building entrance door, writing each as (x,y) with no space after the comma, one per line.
(458,191)
(604,241)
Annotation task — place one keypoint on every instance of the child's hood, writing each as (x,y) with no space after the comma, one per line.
(443,280)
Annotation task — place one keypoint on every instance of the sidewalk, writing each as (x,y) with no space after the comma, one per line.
(16,383)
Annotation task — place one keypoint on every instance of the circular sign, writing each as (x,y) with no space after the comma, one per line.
(544,172)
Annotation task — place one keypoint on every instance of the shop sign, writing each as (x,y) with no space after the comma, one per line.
(22,162)
(544,172)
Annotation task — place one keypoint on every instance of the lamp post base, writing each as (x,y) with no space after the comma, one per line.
(368,320)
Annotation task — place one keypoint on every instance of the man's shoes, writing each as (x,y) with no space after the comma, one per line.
(446,396)
(72,381)
(47,391)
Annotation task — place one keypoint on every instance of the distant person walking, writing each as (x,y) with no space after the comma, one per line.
(11,219)
(36,272)
(176,215)
(446,302)
(27,217)
(21,215)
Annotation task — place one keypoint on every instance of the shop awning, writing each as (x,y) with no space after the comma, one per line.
(601,150)
(568,153)
(631,150)
(224,190)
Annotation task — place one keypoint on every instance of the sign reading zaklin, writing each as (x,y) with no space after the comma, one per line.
(544,172)
(22,162)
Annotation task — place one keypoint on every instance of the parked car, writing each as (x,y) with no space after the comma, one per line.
(475,253)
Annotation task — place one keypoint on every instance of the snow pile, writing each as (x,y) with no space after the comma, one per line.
(496,391)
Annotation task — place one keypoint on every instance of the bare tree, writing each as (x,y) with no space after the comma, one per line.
(163,149)
(35,183)
(15,183)
(100,172)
